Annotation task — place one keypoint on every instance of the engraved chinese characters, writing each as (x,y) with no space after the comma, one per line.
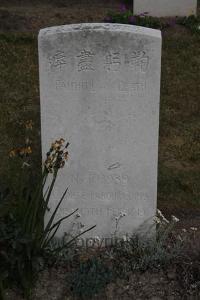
(99,88)
(85,61)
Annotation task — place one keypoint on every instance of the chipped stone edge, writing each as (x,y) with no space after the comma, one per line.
(114,27)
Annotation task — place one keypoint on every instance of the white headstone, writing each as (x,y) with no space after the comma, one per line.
(100,90)
(165,8)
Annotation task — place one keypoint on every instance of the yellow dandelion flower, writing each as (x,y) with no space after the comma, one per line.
(66,155)
(29,124)
(61,141)
(62,163)
(12,153)
(28,150)
(55,145)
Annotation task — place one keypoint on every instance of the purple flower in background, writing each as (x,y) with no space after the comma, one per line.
(122,7)
(108,19)
(143,14)
(172,22)
(132,20)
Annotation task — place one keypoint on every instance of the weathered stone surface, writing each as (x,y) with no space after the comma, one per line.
(100,90)
(165,8)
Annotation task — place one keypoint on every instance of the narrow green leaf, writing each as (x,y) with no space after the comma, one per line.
(48,240)
(54,213)
(57,223)
(62,219)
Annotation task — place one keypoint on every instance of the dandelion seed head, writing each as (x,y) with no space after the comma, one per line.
(175,219)
(193,228)
(156,220)
(97,239)
(123,214)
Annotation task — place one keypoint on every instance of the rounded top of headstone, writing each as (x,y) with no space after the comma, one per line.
(100,27)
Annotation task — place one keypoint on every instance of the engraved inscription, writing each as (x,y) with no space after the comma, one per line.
(137,60)
(107,211)
(114,166)
(116,196)
(85,62)
(110,211)
(108,105)
(94,178)
(132,87)
(86,85)
(58,60)
(103,121)
(136,88)
(112,61)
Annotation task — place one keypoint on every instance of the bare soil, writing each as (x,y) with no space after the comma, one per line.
(177,281)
